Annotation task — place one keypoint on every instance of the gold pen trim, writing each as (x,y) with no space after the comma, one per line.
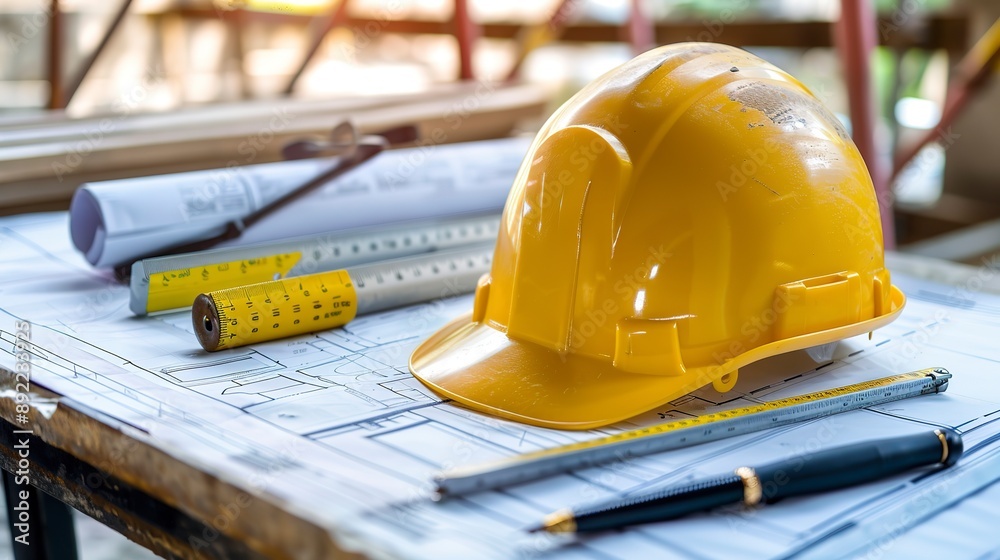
(562,521)
(944,445)
(752,489)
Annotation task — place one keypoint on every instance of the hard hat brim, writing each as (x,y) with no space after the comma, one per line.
(480,367)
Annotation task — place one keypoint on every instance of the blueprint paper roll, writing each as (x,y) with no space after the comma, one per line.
(116,222)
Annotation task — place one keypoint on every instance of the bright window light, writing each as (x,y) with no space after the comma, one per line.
(913,112)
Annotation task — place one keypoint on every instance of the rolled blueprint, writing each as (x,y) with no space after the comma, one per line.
(116,222)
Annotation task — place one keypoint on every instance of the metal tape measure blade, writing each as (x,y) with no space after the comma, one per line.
(690,431)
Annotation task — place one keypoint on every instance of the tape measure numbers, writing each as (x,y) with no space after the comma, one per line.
(270,310)
(314,302)
(689,431)
(172,289)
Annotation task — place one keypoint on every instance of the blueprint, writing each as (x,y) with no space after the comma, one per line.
(116,222)
(334,427)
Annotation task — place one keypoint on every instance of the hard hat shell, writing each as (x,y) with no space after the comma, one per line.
(691,211)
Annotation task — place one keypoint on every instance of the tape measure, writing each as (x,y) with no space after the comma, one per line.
(281,308)
(689,431)
(173,282)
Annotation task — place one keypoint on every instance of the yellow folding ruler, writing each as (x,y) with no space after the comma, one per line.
(174,281)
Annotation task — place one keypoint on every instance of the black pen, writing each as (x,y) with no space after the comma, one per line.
(816,472)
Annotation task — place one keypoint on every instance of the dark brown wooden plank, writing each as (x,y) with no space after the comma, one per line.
(938,31)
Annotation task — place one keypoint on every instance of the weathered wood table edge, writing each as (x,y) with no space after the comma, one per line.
(150,497)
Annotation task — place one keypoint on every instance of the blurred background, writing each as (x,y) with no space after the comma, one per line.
(83,82)
(184,52)
(87,59)
(125,57)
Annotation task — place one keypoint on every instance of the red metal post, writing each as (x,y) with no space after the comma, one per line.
(856,41)
(466,32)
(641,31)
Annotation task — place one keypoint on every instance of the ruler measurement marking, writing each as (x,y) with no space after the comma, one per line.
(172,282)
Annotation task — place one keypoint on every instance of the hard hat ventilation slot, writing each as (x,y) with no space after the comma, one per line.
(817,304)
(649,346)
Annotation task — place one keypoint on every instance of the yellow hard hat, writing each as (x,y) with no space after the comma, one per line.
(690,212)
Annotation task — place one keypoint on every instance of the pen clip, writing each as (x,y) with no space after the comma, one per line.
(346,142)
